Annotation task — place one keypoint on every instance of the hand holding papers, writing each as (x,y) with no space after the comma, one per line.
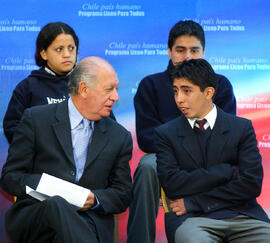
(52,186)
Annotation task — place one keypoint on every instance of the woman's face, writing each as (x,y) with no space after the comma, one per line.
(61,54)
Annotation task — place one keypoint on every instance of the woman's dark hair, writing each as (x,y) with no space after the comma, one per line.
(48,34)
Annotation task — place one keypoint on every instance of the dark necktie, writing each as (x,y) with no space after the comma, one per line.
(201,124)
(203,136)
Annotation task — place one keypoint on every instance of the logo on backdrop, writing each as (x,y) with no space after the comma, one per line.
(16,25)
(122,48)
(110,10)
(15,63)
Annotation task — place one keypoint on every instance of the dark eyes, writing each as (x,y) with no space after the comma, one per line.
(183,90)
(70,48)
(193,50)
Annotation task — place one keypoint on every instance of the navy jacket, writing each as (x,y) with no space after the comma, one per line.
(39,88)
(154,104)
(42,144)
(179,165)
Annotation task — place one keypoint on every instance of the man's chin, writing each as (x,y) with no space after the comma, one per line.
(106,113)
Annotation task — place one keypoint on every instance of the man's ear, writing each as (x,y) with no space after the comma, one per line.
(209,92)
(203,53)
(83,89)
(43,54)
(169,53)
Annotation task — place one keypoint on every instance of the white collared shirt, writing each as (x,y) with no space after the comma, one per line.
(210,119)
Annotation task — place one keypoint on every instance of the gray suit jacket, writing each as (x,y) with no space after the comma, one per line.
(42,143)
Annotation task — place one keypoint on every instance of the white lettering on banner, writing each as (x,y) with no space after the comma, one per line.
(116,52)
(223,28)
(266,137)
(13,60)
(137,13)
(136,49)
(18,67)
(4,22)
(110,10)
(128,7)
(246,106)
(228,21)
(263,106)
(120,45)
(19,26)
(254,60)
(6,28)
(237,28)
(264,145)
(89,6)
(134,45)
(239,63)
(223,25)
(253,106)
(107,7)
(23,22)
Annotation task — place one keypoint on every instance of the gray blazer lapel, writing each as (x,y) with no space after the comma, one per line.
(99,140)
(218,139)
(189,141)
(62,130)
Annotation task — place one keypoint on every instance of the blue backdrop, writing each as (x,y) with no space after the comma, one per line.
(132,35)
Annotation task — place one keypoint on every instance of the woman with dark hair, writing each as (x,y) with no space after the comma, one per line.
(56,54)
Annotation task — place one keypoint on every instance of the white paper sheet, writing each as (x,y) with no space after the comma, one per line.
(52,186)
(35,194)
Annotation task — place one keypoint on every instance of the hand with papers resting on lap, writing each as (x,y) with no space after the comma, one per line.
(90,201)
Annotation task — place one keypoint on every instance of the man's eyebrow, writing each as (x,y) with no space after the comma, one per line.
(180,47)
(185,87)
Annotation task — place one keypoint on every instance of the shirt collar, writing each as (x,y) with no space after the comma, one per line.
(210,118)
(75,116)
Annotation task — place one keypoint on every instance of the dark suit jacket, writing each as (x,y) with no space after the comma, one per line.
(179,164)
(42,143)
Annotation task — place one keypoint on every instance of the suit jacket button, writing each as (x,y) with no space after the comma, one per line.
(72,173)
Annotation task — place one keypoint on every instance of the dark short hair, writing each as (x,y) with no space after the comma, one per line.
(187,27)
(197,71)
(48,34)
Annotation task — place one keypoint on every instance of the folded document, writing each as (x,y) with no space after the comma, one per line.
(52,186)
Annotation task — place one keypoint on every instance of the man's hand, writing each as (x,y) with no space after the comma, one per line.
(89,202)
(178,206)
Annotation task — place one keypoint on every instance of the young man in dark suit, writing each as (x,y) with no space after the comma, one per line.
(154,105)
(77,142)
(209,166)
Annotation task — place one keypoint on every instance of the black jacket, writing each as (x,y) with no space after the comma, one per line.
(42,143)
(39,88)
(155,105)
(179,166)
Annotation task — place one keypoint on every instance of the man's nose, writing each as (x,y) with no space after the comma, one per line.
(115,96)
(188,56)
(179,98)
